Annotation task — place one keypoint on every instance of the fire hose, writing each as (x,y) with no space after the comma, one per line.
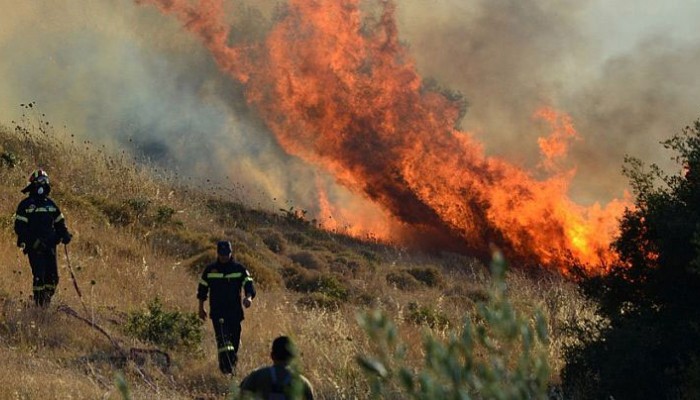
(75,281)
(136,354)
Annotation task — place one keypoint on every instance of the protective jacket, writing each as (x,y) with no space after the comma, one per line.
(277,382)
(39,224)
(223,284)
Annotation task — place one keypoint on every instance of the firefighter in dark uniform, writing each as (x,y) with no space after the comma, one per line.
(40,227)
(278,381)
(223,282)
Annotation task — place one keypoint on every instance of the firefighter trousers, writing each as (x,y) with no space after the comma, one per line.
(228,337)
(45,273)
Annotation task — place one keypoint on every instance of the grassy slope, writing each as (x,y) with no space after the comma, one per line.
(128,249)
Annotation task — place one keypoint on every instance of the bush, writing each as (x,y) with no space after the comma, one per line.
(308,260)
(169,329)
(8,159)
(315,301)
(299,279)
(370,256)
(650,300)
(421,315)
(332,287)
(402,280)
(429,276)
(274,241)
(138,206)
(122,213)
(472,292)
(349,266)
(503,357)
(164,215)
(117,214)
(305,281)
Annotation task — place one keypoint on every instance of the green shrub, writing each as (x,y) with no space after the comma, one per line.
(429,276)
(316,301)
(306,281)
(402,280)
(332,287)
(164,215)
(502,357)
(649,344)
(421,315)
(139,206)
(8,159)
(169,329)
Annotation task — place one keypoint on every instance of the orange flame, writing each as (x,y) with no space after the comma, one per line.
(556,146)
(340,91)
(353,219)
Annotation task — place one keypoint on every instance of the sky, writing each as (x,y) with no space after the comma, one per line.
(123,74)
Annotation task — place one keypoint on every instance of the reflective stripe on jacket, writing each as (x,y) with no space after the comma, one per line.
(222,284)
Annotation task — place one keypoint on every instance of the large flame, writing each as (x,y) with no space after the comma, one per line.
(340,91)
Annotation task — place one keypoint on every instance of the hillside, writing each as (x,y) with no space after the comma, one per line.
(142,235)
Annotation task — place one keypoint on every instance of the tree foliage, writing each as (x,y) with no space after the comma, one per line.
(651,300)
(500,354)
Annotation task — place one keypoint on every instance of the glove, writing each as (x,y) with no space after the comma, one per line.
(67,238)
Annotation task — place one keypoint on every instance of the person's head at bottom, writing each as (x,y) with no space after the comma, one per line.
(283,350)
(279,380)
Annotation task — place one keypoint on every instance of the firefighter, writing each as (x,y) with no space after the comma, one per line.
(278,381)
(40,227)
(223,281)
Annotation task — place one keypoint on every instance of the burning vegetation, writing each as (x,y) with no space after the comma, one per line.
(338,89)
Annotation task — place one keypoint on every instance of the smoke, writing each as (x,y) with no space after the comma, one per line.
(637,100)
(122,75)
(625,73)
(126,75)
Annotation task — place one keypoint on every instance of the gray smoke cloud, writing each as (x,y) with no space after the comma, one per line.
(626,72)
(126,75)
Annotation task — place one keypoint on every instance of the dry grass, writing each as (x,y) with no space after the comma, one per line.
(140,234)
